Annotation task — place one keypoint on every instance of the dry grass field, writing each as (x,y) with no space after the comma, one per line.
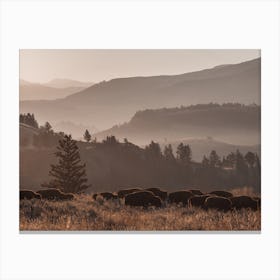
(83,213)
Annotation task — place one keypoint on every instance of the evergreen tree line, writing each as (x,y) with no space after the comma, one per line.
(126,164)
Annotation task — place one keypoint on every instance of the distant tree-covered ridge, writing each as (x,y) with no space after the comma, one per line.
(197,113)
(224,121)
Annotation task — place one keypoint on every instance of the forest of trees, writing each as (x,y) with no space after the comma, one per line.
(112,164)
(28,119)
(126,164)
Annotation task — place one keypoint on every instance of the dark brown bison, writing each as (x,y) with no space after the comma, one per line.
(105,195)
(142,198)
(218,203)
(180,197)
(198,200)
(158,192)
(55,194)
(68,196)
(244,201)
(123,193)
(196,192)
(27,194)
(222,194)
(258,199)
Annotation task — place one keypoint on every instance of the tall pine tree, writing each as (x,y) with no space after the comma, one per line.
(69,175)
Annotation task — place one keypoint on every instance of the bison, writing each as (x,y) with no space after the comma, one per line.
(180,197)
(222,194)
(27,194)
(258,199)
(158,192)
(68,196)
(142,198)
(218,203)
(244,201)
(55,194)
(196,192)
(105,195)
(123,193)
(198,200)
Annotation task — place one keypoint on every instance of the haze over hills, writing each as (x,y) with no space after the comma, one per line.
(113,102)
(108,166)
(67,83)
(76,130)
(54,89)
(232,123)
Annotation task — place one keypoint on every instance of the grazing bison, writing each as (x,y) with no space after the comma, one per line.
(123,193)
(68,196)
(158,192)
(244,201)
(218,203)
(196,192)
(198,200)
(180,197)
(222,194)
(258,199)
(55,194)
(27,194)
(143,198)
(105,195)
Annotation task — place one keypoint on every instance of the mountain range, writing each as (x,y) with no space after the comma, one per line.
(54,89)
(114,102)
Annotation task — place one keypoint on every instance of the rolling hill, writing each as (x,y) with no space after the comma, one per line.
(55,89)
(231,123)
(113,102)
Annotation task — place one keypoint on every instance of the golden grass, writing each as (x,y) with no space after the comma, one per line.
(85,214)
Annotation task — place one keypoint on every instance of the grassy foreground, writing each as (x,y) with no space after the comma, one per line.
(85,214)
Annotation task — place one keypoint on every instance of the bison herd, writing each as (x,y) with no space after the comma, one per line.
(219,200)
(50,194)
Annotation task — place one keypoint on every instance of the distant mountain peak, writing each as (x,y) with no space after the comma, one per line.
(64,83)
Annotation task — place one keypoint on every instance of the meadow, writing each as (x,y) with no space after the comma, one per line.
(83,213)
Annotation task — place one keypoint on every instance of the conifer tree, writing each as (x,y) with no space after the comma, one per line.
(168,153)
(69,175)
(214,159)
(153,150)
(184,153)
(47,128)
(250,158)
(87,136)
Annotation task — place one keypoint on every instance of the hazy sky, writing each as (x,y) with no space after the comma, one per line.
(97,65)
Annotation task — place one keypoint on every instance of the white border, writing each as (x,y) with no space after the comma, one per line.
(155,24)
